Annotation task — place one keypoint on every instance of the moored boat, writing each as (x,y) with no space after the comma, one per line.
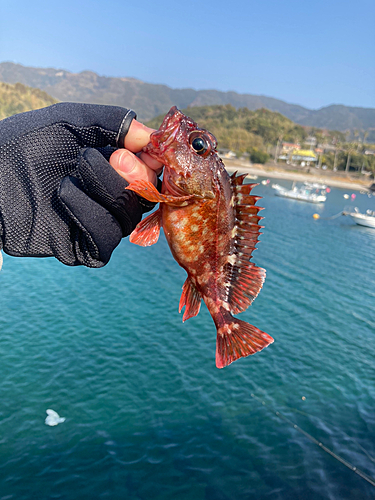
(367,219)
(302,193)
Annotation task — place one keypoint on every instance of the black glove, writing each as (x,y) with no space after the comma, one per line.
(58,194)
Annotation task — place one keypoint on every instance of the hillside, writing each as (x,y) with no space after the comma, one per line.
(150,100)
(18,98)
(243,130)
(257,132)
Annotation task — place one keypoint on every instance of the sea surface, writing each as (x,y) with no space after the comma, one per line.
(149,416)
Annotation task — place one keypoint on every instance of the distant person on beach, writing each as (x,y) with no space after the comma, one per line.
(59,195)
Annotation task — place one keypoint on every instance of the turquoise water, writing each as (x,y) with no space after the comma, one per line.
(149,416)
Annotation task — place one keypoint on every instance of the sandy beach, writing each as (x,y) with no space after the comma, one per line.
(332,179)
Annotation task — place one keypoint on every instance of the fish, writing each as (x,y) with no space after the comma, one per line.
(211,224)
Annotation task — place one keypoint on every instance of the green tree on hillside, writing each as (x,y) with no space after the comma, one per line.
(257,156)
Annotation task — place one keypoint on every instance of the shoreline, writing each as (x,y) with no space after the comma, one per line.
(275,173)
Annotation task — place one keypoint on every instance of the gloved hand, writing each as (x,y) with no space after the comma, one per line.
(58,194)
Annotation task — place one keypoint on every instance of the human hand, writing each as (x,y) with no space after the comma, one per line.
(59,195)
(132,163)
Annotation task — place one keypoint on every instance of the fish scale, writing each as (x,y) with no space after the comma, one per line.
(211,223)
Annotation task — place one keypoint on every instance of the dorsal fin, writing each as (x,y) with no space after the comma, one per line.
(243,278)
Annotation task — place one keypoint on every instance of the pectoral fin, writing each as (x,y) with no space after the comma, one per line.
(148,191)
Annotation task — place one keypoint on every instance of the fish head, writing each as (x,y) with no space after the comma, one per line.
(187,152)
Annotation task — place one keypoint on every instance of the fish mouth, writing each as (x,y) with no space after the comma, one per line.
(161,139)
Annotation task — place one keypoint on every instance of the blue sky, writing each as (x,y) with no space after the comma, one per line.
(309,53)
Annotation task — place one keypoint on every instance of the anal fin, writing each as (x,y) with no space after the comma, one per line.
(190,298)
(147,231)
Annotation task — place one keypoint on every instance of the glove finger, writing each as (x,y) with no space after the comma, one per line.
(107,187)
(96,232)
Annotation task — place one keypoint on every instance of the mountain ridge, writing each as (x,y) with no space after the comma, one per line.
(150,100)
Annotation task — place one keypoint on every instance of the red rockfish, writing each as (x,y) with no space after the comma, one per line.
(212,226)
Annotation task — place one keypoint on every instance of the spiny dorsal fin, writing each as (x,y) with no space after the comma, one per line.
(243,278)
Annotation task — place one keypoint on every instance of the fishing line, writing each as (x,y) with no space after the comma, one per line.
(314,417)
(347,464)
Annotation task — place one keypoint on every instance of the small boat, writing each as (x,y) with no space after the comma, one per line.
(315,185)
(303,193)
(367,219)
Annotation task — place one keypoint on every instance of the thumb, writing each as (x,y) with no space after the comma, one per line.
(131,168)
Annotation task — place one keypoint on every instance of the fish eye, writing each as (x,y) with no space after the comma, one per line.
(199,144)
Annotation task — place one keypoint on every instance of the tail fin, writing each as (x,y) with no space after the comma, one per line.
(237,339)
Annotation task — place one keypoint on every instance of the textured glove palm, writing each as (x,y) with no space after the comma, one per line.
(58,194)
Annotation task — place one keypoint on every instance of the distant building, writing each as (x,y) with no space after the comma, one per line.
(299,156)
(288,147)
(306,155)
(328,148)
(311,141)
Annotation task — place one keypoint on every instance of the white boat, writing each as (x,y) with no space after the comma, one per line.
(367,219)
(303,193)
(315,185)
